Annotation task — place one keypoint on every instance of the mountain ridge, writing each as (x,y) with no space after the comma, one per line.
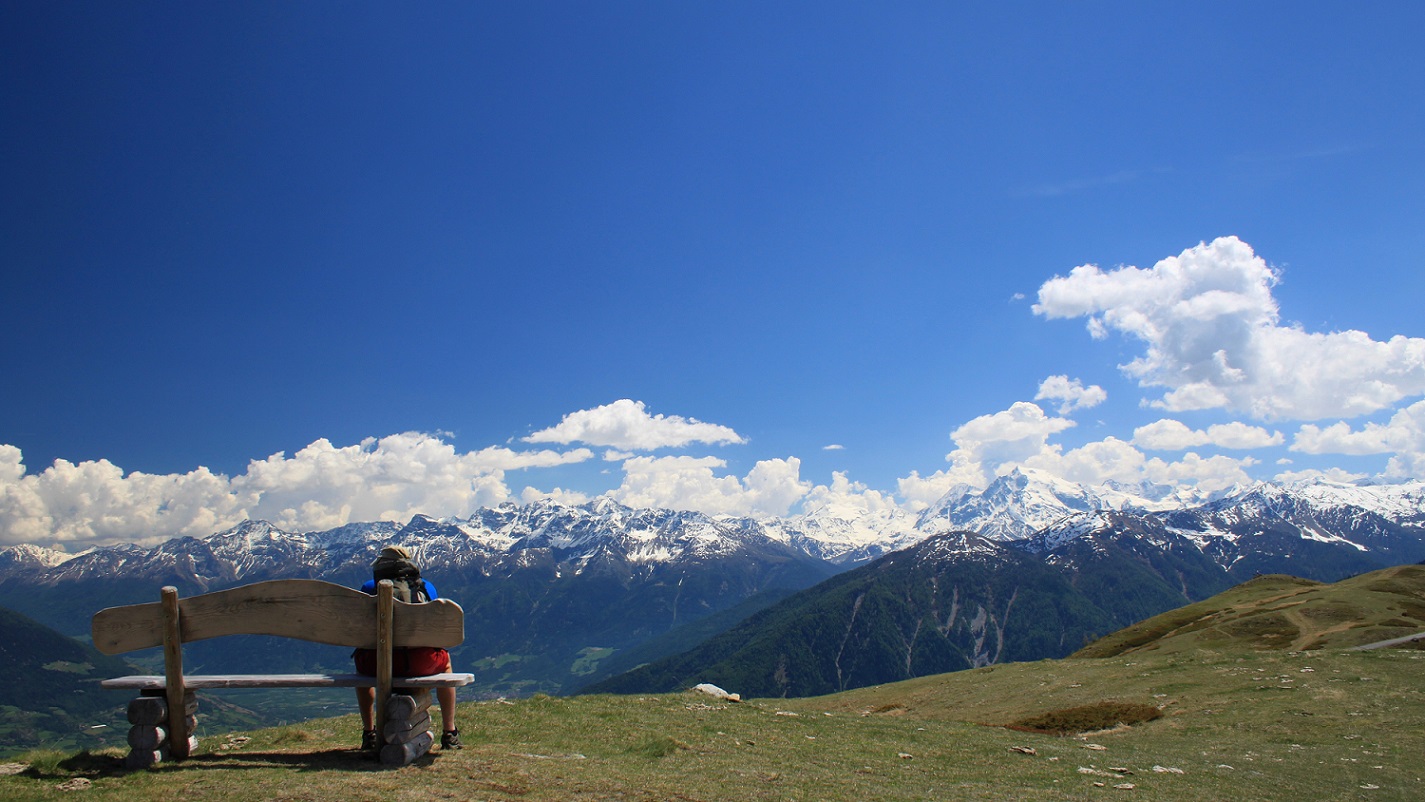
(1016,506)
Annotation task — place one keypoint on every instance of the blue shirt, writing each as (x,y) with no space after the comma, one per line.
(370,587)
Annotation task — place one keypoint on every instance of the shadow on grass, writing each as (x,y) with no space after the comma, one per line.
(323,760)
(51,766)
(95,766)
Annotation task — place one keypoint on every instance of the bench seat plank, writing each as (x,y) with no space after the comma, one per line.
(305,609)
(198,681)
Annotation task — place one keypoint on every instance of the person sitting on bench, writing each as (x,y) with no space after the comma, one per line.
(394,563)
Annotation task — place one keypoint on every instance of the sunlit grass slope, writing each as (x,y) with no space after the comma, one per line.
(1238,722)
(1284,613)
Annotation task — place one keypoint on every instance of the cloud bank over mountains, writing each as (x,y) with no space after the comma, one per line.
(1208,325)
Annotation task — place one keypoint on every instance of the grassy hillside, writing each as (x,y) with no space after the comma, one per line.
(1284,612)
(51,694)
(1244,716)
(1241,726)
(51,697)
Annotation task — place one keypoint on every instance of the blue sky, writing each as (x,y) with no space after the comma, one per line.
(318,262)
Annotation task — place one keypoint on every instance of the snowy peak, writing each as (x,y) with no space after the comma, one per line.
(1013,507)
(1149,528)
(960,547)
(1072,527)
(643,536)
(33,557)
(1146,496)
(1045,512)
(844,533)
(1401,501)
(355,535)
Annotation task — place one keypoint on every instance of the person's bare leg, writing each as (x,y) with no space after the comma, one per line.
(446,697)
(366,702)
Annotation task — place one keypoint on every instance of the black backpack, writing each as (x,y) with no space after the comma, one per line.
(405,578)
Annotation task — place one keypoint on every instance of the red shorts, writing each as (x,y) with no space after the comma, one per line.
(417,661)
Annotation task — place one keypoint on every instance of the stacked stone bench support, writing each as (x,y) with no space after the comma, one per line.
(407,734)
(297,608)
(149,728)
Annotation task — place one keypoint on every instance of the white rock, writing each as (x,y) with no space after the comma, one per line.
(716,692)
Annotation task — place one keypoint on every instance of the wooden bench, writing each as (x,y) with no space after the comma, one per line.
(304,609)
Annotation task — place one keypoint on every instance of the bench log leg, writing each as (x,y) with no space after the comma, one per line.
(402,731)
(149,735)
(408,703)
(408,752)
(406,736)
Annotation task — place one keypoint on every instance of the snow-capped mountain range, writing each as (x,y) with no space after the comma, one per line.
(1032,509)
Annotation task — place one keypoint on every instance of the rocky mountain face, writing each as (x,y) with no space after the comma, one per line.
(551,590)
(950,602)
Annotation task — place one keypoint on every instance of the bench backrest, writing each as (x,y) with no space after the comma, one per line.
(305,609)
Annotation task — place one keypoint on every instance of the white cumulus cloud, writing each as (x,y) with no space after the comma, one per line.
(919,492)
(690,483)
(1330,474)
(319,487)
(1403,436)
(1070,393)
(1171,435)
(1021,436)
(1211,327)
(1208,474)
(1109,459)
(625,424)
(845,495)
(392,478)
(1008,437)
(572,498)
(74,506)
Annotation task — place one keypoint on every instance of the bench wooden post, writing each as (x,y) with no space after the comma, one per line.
(173,674)
(385,610)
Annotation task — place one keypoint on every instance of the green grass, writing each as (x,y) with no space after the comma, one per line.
(68,667)
(589,659)
(499,661)
(1241,725)
(1284,613)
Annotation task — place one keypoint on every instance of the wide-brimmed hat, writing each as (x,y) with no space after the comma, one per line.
(394,562)
(395,553)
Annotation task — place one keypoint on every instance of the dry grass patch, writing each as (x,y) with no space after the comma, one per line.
(1088,718)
